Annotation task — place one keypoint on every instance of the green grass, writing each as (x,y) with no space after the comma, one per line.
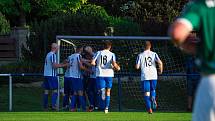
(95,116)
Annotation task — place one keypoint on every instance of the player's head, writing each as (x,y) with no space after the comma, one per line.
(79,49)
(147,45)
(54,47)
(88,49)
(107,45)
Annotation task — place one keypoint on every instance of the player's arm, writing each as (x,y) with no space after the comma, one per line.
(116,66)
(87,62)
(93,62)
(137,66)
(54,62)
(160,64)
(160,67)
(181,28)
(82,67)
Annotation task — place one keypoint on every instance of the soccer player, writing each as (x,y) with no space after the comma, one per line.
(147,62)
(75,67)
(105,62)
(51,83)
(90,78)
(199,15)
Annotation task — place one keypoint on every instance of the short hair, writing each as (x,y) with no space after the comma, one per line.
(107,44)
(54,45)
(78,47)
(147,44)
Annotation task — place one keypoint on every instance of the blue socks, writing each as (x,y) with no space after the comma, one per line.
(73,102)
(153,94)
(54,99)
(148,102)
(45,101)
(65,100)
(83,103)
(107,102)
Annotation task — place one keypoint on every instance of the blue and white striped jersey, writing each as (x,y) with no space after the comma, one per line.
(74,69)
(49,70)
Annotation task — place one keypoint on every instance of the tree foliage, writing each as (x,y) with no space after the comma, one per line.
(89,20)
(156,13)
(28,10)
(4,25)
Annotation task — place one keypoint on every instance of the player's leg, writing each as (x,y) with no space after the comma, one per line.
(108,81)
(204,106)
(146,93)
(189,93)
(80,89)
(90,93)
(46,87)
(101,85)
(54,86)
(66,92)
(153,84)
(74,94)
(45,100)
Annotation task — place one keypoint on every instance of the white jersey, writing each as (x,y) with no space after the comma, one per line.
(49,70)
(147,61)
(104,61)
(74,69)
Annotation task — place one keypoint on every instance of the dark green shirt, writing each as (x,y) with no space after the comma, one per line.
(200,16)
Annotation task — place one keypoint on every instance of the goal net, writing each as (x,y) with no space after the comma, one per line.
(171,88)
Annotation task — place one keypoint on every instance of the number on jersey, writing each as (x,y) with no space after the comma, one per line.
(148,61)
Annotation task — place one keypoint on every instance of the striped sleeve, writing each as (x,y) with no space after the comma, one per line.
(138,60)
(113,58)
(156,57)
(96,56)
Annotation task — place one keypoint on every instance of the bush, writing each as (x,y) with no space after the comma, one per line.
(89,20)
(4,25)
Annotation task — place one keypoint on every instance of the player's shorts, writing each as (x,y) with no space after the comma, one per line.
(104,82)
(91,84)
(67,87)
(192,84)
(50,83)
(204,106)
(76,84)
(148,85)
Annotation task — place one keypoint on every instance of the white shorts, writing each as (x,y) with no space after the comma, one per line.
(204,106)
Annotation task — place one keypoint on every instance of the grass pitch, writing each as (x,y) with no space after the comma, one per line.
(94,116)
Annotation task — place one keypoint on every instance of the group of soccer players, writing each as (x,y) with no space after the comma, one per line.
(89,75)
(85,72)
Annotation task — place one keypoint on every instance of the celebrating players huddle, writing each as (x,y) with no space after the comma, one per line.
(89,76)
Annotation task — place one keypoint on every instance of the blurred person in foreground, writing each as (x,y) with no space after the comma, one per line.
(199,15)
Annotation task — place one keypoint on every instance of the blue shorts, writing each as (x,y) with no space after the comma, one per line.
(148,85)
(76,84)
(67,87)
(104,82)
(50,83)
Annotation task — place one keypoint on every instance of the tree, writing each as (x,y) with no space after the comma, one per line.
(4,25)
(25,10)
(156,13)
(16,8)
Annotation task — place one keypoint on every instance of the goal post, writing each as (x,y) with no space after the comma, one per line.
(171,88)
